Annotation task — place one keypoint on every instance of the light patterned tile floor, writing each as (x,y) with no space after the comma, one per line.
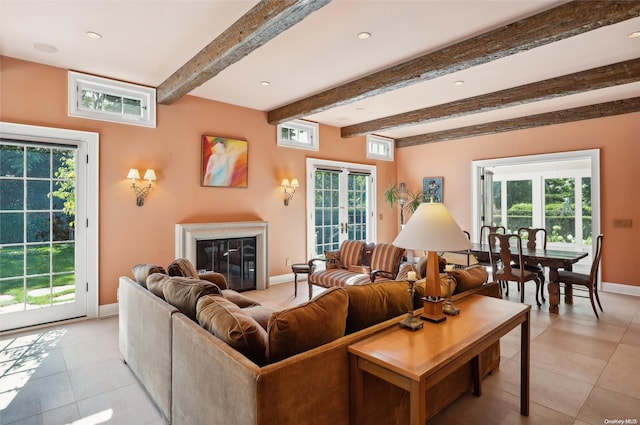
(584,371)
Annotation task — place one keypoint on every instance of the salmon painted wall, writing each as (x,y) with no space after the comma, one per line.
(617,139)
(35,94)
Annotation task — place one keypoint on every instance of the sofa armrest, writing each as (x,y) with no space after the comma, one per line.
(380,273)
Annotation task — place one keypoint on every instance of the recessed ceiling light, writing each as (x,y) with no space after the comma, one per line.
(43,47)
(94,35)
(458,83)
(359,109)
(634,34)
(364,35)
(265,83)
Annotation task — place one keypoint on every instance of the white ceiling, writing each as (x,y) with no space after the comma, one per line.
(145,41)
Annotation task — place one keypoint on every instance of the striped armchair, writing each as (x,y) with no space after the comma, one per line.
(353,264)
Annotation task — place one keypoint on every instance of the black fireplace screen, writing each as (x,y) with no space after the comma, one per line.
(234,257)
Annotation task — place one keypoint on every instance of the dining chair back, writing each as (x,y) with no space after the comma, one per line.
(485,229)
(590,281)
(536,237)
(507,266)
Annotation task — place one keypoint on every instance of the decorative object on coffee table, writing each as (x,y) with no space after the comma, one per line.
(448,307)
(431,228)
(411,322)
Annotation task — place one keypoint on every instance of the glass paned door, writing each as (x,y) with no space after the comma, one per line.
(38,247)
(342,208)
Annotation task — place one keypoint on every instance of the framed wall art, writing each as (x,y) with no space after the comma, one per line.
(224,162)
(432,189)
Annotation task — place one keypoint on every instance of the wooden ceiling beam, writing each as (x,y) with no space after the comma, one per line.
(600,110)
(593,79)
(262,23)
(567,20)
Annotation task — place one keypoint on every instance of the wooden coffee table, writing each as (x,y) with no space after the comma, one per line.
(419,360)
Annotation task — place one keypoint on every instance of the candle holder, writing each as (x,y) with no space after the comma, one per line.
(448,307)
(411,322)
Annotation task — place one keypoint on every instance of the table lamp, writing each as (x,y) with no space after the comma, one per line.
(431,228)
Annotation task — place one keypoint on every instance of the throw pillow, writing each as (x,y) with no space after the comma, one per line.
(184,293)
(469,278)
(375,303)
(156,283)
(142,271)
(227,321)
(306,326)
(182,267)
(238,299)
(332,259)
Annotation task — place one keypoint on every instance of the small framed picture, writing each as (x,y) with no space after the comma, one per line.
(224,162)
(432,189)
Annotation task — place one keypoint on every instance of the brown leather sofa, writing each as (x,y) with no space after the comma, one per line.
(195,377)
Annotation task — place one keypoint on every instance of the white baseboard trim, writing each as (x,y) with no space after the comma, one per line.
(284,278)
(108,310)
(618,288)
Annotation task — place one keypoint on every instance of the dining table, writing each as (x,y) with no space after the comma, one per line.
(554,259)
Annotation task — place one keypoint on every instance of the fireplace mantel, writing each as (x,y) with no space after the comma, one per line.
(188,234)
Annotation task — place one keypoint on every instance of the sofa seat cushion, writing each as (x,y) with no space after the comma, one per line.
(141,272)
(375,303)
(470,277)
(308,325)
(338,277)
(228,322)
(184,293)
(182,267)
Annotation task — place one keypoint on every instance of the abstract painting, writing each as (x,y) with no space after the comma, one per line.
(224,162)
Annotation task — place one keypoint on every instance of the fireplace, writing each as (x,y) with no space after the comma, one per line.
(236,249)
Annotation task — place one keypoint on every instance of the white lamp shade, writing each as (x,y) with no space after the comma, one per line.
(294,183)
(133,174)
(285,183)
(150,174)
(432,228)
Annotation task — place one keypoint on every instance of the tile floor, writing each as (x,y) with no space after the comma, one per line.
(583,370)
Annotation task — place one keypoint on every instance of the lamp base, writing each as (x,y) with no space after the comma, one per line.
(411,322)
(433,310)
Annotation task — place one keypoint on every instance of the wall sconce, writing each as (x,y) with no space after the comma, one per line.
(289,189)
(141,192)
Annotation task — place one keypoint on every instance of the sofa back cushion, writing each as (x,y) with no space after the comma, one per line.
(351,253)
(470,277)
(184,293)
(375,303)
(306,326)
(228,322)
(142,271)
(182,267)
(386,257)
(156,283)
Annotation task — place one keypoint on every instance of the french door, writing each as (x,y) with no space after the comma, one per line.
(341,204)
(44,242)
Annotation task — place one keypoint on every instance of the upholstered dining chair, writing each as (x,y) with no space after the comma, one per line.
(505,268)
(590,281)
(533,235)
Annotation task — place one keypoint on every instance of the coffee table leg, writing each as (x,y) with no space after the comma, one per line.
(525,334)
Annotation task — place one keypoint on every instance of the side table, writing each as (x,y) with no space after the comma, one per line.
(299,268)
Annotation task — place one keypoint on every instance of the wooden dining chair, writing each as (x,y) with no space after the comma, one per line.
(590,281)
(485,230)
(532,236)
(503,265)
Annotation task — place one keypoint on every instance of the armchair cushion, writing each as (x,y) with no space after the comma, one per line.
(308,325)
(386,258)
(351,253)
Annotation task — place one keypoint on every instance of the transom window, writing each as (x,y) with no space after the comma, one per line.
(107,100)
(299,134)
(379,147)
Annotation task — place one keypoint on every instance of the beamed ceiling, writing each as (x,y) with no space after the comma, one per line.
(523,63)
